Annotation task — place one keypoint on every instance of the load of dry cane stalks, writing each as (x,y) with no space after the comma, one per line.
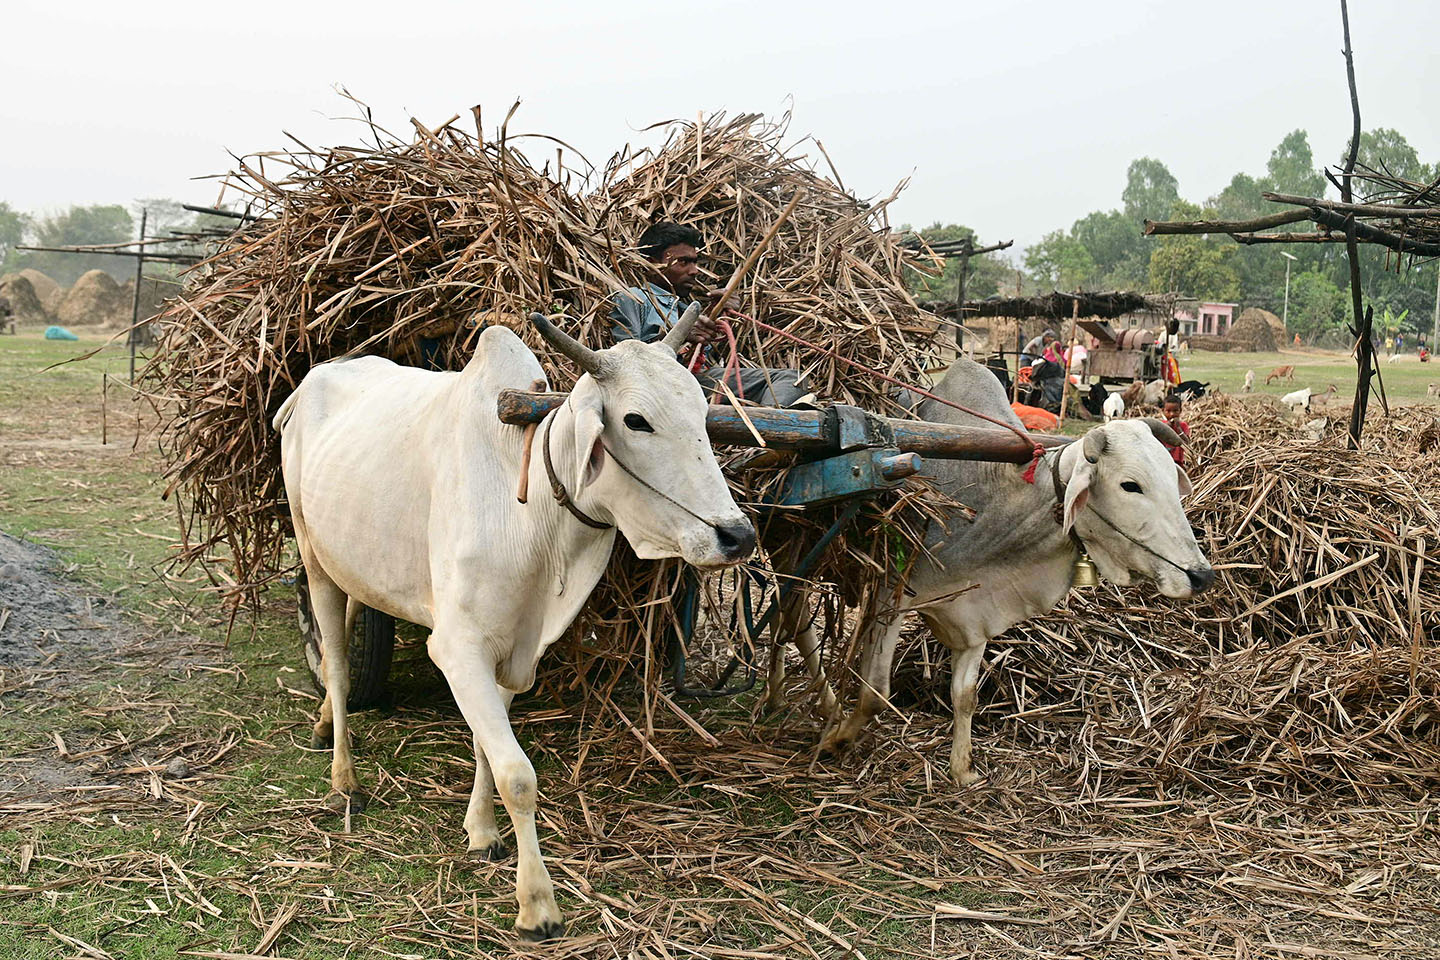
(407,249)
(1312,665)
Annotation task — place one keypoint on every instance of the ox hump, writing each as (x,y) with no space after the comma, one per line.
(502,360)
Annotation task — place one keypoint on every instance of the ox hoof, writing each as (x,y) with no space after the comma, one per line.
(322,742)
(337,802)
(833,746)
(965,779)
(494,853)
(550,930)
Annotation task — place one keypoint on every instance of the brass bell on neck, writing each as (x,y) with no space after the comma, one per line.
(1084,574)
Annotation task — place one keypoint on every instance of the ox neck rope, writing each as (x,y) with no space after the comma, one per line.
(562,496)
(1075,536)
(641,480)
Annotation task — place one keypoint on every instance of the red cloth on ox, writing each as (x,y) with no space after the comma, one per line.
(1035,418)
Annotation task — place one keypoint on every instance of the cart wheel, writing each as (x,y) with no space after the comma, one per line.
(371,645)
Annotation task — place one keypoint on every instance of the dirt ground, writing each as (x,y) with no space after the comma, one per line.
(158,798)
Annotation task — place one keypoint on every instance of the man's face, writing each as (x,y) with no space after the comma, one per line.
(679,266)
(1172,411)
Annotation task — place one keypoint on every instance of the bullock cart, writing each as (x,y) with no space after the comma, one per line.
(843,455)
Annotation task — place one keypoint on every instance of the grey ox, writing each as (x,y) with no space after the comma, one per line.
(402,490)
(1121,493)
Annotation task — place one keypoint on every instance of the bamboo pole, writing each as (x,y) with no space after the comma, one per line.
(1066,357)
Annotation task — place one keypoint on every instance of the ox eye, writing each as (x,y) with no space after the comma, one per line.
(636,422)
(1130,486)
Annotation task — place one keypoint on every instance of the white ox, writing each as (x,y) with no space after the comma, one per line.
(1121,494)
(402,490)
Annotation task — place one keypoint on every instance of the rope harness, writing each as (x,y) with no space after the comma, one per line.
(1075,537)
(562,496)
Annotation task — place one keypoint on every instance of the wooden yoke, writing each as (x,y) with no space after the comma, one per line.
(833,430)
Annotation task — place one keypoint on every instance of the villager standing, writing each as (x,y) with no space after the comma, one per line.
(1173,408)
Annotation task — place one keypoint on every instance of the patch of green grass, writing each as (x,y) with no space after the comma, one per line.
(1405,382)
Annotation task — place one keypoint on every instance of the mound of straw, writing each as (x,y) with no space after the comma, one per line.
(1313,663)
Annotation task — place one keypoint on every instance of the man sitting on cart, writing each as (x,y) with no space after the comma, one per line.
(646,313)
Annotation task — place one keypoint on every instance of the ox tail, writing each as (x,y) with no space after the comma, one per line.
(282,416)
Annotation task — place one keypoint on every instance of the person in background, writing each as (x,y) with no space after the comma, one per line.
(1174,406)
(1035,349)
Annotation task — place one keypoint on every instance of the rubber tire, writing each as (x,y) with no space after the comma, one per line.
(372,645)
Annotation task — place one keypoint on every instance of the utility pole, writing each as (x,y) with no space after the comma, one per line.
(135,303)
(1435,330)
(1285,317)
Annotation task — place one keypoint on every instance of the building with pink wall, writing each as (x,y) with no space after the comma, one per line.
(1207,318)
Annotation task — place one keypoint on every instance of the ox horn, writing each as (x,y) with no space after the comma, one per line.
(1163,432)
(1093,444)
(679,333)
(588,360)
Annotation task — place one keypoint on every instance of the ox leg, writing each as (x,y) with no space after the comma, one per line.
(795,612)
(965,659)
(875,678)
(472,682)
(484,836)
(327,601)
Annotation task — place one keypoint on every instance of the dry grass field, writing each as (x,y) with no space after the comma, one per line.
(158,799)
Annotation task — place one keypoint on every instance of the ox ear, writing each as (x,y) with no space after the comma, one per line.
(1077,490)
(589,451)
(1185,488)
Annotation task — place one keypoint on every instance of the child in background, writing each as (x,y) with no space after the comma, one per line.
(1173,407)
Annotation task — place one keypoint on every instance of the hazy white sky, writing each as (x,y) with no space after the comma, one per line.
(1012,117)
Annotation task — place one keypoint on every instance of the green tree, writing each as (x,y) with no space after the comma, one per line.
(1151,191)
(1060,261)
(1318,308)
(1386,150)
(1117,248)
(1204,267)
(1291,167)
(78,225)
(987,271)
(13,224)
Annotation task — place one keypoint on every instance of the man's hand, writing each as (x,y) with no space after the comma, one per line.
(704,329)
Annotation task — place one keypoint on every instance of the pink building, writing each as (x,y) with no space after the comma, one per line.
(1214,319)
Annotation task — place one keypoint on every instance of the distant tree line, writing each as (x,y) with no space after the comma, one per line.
(1106,249)
(93,225)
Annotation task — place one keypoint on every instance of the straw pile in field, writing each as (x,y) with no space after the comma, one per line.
(94,299)
(1277,326)
(1252,334)
(47,290)
(25,306)
(1314,661)
(367,249)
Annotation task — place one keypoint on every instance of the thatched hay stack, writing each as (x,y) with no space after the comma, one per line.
(95,299)
(46,289)
(1277,326)
(1252,334)
(25,306)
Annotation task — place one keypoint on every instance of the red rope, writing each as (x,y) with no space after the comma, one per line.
(1039,450)
(732,363)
